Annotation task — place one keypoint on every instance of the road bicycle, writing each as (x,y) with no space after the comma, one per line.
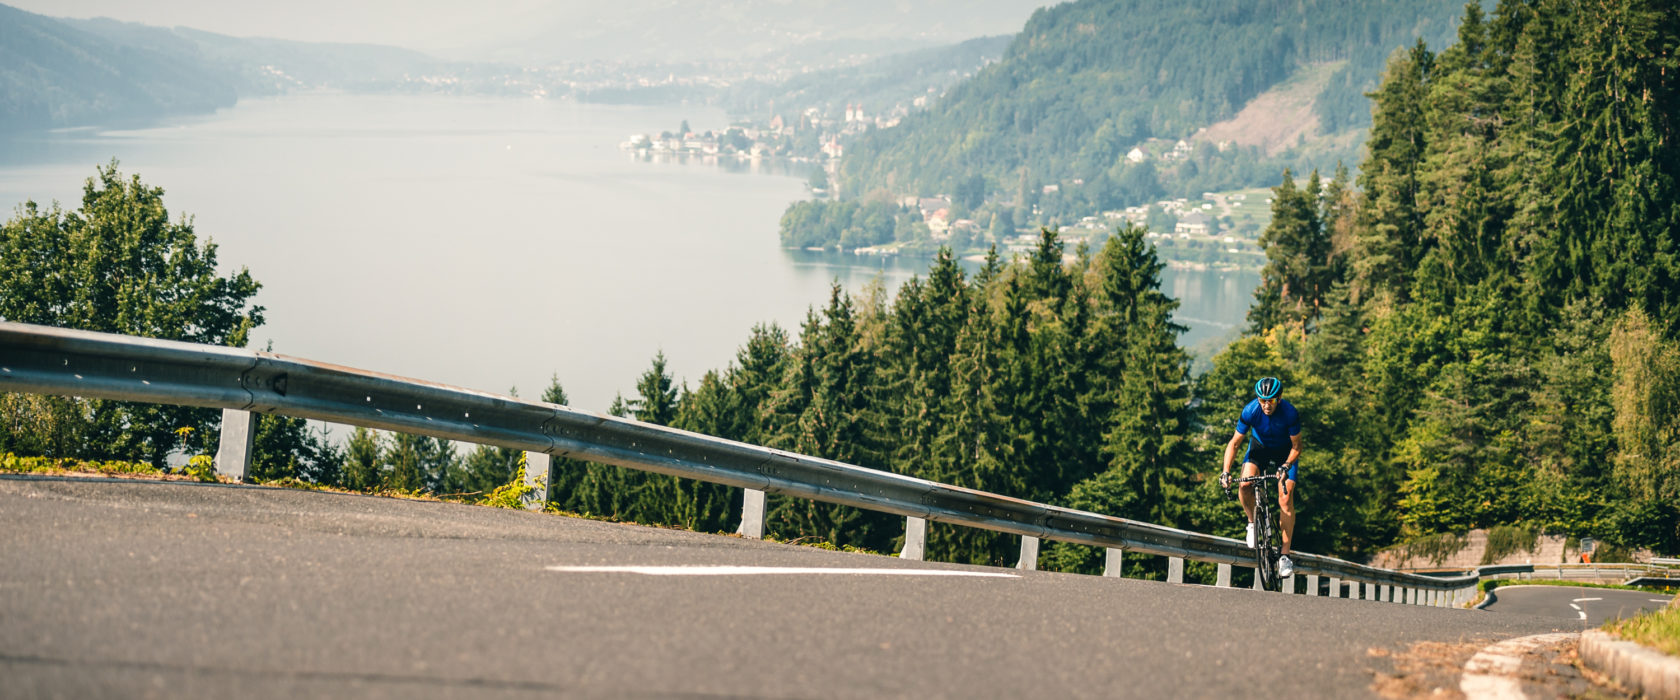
(1266,545)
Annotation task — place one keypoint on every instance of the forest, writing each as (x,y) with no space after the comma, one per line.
(1087,81)
(1480,329)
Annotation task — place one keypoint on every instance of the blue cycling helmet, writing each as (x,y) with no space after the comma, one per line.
(1268,387)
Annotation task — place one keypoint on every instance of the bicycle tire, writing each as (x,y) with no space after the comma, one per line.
(1265,567)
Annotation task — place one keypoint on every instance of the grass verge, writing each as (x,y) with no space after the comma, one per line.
(1658,629)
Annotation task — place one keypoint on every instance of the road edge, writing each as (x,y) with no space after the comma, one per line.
(1636,667)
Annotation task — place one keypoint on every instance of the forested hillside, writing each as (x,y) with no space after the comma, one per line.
(58,73)
(1087,81)
(1485,331)
(54,75)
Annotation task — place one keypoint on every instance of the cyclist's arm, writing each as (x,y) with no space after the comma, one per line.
(1294,448)
(1231,450)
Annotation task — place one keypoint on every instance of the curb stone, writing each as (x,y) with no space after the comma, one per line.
(1641,669)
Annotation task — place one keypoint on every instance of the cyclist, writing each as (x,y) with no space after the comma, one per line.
(1273,430)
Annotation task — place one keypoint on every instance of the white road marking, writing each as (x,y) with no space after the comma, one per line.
(1583,600)
(765,570)
(1583,614)
(1489,675)
(1659,600)
(1572,605)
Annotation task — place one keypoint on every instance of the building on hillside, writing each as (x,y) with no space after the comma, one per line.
(938,224)
(1136,155)
(1195,223)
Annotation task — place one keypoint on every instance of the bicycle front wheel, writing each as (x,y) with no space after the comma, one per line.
(1265,566)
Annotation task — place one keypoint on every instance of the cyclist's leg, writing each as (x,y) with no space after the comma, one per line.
(1286,504)
(1245,492)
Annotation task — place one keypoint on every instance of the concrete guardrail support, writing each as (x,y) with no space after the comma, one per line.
(915,539)
(1312,585)
(1223,579)
(1114,562)
(1335,587)
(1289,584)
(539,473)
(1175,570)
(752,514)
(1029,554)
(239,433)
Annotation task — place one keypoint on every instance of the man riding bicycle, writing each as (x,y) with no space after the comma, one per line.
(1273,429)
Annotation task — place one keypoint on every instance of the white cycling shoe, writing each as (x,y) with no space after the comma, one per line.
(1286,568)
(1251,535)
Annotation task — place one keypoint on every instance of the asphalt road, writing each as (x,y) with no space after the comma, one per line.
(1588,607)
(151,589)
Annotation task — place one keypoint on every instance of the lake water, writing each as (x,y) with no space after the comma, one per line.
(492,243)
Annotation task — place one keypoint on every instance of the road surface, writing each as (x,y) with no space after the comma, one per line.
(167,589)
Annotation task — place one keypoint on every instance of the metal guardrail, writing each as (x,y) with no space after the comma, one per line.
(38,359)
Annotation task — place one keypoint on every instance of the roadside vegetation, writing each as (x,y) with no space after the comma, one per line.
(1658,629)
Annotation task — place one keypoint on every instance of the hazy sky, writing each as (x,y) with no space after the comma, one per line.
(456,29)
(419,24)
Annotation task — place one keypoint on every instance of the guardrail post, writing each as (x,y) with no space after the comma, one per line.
(1370,591)
(239,432)
(1256,585)
(539,473)
(1335,587)
(1029,554)
(752,514)
(1312,585)
(1223,580)
(915,538)
(1114,562)
(1175,569)
(1289,584)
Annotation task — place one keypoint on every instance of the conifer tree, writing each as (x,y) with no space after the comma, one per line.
(1391,221)
(362,467)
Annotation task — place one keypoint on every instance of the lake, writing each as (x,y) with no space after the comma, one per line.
(490,243)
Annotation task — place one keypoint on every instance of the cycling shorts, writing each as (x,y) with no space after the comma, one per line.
(1269,462)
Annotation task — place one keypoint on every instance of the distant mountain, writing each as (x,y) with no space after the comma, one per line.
(53,74)
(1087,82)
(876,85)
(673,31)
(58,73)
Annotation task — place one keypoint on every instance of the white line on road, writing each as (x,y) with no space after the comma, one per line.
(1583,600)
(1491,673)
(765,570)
(1583,614)
(1572,605)
(1659,600)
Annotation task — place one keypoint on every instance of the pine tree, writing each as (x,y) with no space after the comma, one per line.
(363,470)
(1391,222)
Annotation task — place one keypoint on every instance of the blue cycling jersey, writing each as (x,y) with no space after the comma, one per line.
(1268,436)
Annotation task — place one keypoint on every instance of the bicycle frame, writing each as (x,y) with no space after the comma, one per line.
(1265,550)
